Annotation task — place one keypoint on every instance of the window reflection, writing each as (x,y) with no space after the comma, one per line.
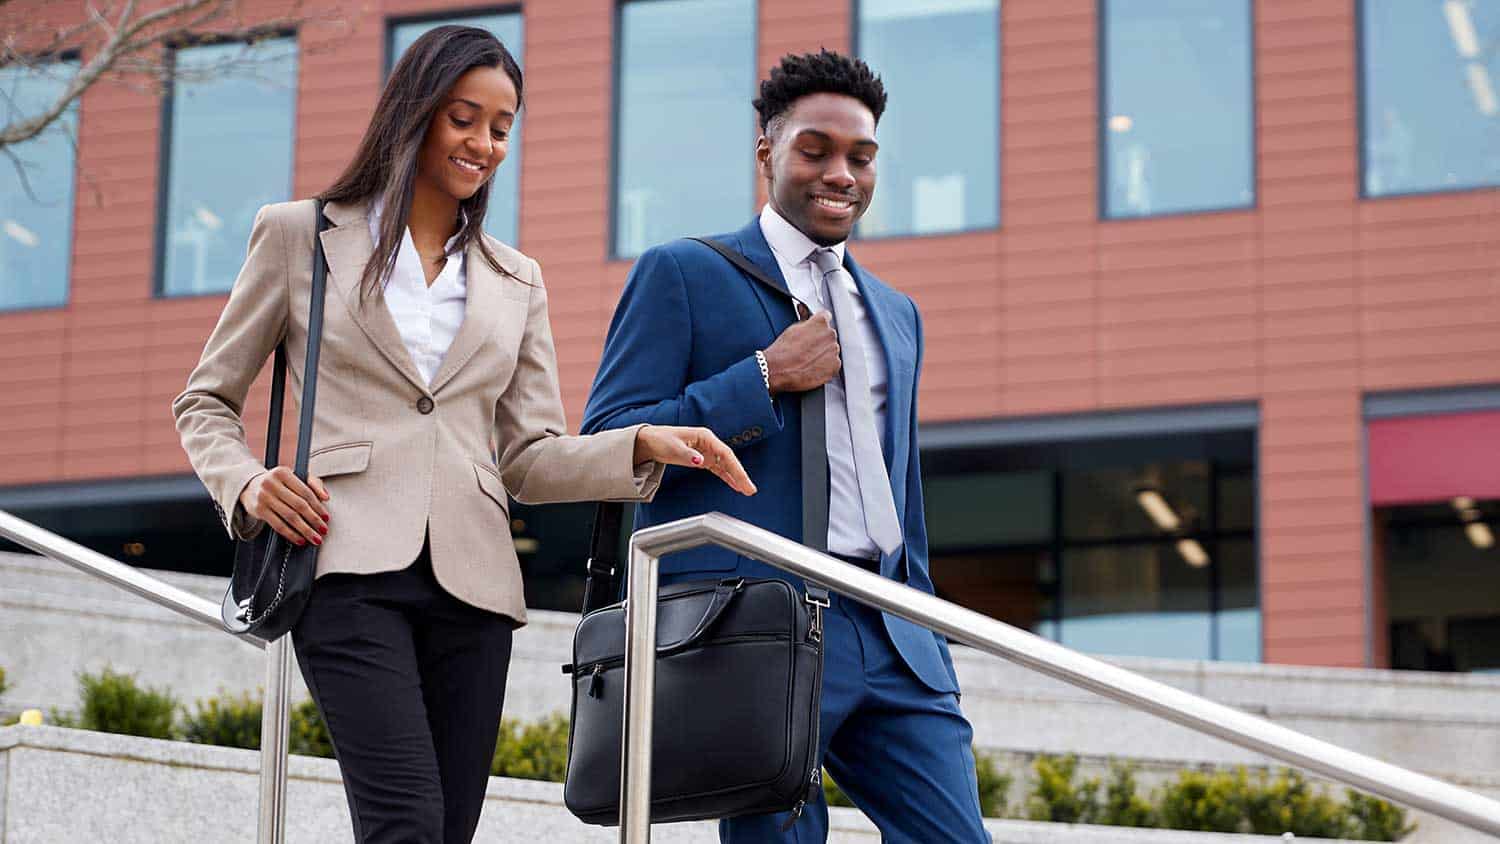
(229,135)
(36,191)
(1177,107)
(940,136)
(501,218)
(1132,546)
(1442,583)
(678,177)
(1430,76)
(1139,600)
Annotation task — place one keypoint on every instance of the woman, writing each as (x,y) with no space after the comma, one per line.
(437,394)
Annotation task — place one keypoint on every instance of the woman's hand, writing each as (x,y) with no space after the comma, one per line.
(697,448)
(292,508)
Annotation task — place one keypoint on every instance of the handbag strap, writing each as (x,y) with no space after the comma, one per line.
(309,367)
(604,549)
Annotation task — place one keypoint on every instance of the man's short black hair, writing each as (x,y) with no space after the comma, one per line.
(823,72)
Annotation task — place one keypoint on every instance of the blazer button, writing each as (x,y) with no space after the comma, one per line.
(756,431)
(424,405)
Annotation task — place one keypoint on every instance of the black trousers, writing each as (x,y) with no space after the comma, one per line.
(410,682)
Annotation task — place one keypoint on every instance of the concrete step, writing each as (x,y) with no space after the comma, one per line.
(163,792)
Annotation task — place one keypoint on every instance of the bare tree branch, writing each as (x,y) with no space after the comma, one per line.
(126,46)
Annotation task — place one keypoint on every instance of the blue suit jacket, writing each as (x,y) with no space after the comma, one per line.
(681,351)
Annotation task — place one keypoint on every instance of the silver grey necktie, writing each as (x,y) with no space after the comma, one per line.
(881,522)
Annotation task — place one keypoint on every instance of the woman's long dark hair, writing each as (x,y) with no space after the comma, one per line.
(385,165)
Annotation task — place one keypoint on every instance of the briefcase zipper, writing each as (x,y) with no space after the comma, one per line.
(595,668)
(815,780)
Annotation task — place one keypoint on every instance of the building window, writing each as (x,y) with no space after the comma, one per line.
(940,135)
(1434,489)
(228,131)
(1430,102)
(684,127)
(1442,583)
(36,191)
(1139,546)
(1177,107)
(502,217)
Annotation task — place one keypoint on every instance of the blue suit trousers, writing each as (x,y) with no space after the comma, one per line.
(901,751)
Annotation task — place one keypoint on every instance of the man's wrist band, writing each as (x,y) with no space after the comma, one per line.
(765,370)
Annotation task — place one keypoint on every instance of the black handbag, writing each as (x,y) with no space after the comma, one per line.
(739,673)
(273,578)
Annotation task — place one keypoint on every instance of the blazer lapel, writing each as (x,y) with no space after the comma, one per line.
(348,248)
(778,309)
(483,305)
(876,302)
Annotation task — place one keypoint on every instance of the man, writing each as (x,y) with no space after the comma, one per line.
(695,342)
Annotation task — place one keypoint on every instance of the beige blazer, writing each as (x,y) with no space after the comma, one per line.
(394,472)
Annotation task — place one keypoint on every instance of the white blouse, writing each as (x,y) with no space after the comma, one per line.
(428,316)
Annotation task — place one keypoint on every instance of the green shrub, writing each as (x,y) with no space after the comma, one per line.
(1289,804)
(537,751)
(234,721)
(2,681)
(115,703)
(1056,797)
(1209,802)
(1233,801)
(994,786)
(226,721)
(1373,819)
(1122,805)
(308,735)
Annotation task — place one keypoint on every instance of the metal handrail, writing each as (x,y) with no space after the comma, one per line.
(647,546)
(274,712)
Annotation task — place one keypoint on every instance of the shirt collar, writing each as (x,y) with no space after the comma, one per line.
(788,241)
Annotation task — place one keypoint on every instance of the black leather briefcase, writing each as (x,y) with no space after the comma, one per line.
(739,673)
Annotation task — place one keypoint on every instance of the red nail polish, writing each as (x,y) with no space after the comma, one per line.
(697,461)
(301,542)
(317,541)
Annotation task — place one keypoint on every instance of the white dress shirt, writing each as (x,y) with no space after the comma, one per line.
(846,518)
(428,316)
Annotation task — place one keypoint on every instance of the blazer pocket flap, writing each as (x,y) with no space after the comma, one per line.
(490,483)
(339,460)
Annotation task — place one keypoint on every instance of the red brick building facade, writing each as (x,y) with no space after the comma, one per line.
(1302,306)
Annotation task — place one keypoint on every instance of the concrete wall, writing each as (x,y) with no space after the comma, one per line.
(54,622)
(71,785)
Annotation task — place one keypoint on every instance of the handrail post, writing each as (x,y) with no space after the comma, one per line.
(640,697)
(274,741)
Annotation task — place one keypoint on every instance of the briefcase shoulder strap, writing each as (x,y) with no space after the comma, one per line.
(814,423)
(310,361)
(748,268)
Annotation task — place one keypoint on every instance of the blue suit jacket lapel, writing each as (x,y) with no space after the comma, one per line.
(751,243)
(878,302)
